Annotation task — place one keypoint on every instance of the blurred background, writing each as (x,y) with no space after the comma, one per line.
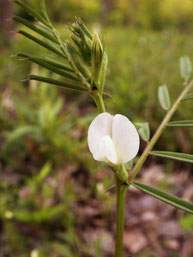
(52,193)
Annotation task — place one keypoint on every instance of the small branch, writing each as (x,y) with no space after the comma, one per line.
(159,131)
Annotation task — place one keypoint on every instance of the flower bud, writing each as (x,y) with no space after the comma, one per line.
(96,58)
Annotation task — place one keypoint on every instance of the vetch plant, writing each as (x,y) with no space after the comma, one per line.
(80,63)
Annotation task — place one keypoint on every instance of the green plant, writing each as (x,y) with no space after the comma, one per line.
(81,65)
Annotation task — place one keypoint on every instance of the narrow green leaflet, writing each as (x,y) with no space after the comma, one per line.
(173,155)
(190,96)
(57,64)
(165,197)
(44,11)
(185,67)
(144,131)
(48,66)
(181,123)
(76,60)
(84,28)
(73,58)
(36,29)
(164,97)
(42,43)
(32,12)
(56,82)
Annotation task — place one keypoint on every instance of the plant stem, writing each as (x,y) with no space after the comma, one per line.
(159,131)
(98,98)
(120,194)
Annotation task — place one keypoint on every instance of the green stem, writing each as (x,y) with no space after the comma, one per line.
(98,98)
(159,131)
(120,194)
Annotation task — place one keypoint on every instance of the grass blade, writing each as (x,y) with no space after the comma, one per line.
(173,155)
(181,123)
(42,43)
(33,13)
(34,28)
(165,197)
(56,82)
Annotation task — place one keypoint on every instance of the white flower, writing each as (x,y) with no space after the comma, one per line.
(113,139)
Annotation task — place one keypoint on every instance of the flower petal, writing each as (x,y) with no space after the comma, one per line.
(106,151)
(125,138)
(101,126)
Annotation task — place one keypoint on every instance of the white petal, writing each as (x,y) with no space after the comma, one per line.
(101,126)
(106,151)
(125,138)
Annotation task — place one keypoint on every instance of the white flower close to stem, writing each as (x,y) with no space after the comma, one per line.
(113,139)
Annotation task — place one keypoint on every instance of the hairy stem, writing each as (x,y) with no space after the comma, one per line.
(120,194)
(159,131)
